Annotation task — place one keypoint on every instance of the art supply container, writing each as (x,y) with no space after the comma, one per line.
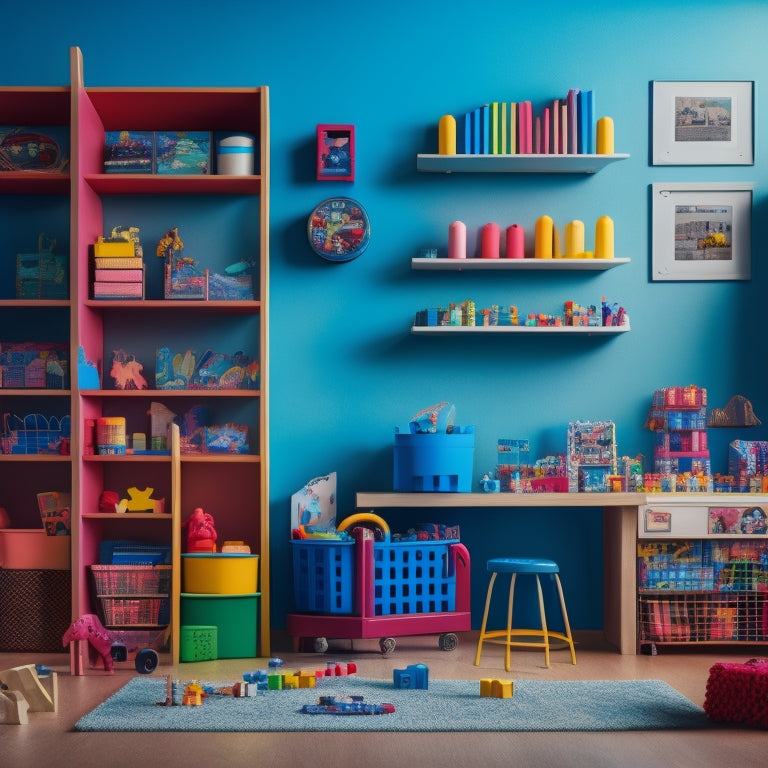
(110,435)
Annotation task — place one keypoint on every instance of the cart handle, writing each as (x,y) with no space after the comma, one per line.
(364,517)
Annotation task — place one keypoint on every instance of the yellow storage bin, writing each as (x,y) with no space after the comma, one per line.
(225,573)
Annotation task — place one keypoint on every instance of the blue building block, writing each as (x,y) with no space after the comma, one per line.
(413,677)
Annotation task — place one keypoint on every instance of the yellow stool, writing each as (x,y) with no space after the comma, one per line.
(523,566)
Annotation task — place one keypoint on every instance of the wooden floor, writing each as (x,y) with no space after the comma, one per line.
(49,740)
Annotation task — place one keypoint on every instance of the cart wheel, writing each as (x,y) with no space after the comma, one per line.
(387,645)
(321,645)
(146,661)
(448,642)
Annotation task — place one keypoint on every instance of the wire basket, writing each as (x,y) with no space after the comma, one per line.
(132,579)
(135,611)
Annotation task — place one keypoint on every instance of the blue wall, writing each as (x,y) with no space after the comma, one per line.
(344,369)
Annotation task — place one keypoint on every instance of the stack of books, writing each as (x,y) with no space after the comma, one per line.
(564,126)
(118,271)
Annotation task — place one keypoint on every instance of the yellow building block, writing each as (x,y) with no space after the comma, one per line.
(497,689)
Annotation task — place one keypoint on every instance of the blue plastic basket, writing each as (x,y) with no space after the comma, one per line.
(323,575)
(408,577)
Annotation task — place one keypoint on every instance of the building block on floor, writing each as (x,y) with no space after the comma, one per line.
(497,689)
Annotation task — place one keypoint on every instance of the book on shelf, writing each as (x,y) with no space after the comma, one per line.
(112,290)
(119,275)
(513,128)
(116,262)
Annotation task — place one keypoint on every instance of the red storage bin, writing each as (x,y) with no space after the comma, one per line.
(738,693)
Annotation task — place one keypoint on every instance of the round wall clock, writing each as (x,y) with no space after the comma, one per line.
(339,229)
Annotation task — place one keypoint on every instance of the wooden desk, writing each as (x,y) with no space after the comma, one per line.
(620,534)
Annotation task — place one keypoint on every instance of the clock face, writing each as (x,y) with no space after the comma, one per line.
(339,229)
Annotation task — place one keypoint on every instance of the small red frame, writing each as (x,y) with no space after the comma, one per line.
(335,152)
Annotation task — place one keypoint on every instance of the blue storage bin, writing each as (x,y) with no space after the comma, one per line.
(413,577)
(323,575)
(434,462)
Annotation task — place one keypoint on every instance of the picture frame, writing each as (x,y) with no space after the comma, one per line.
(701,231)
(702,123)
(335,157)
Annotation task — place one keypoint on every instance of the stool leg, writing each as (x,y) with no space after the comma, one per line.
(543,620)
(485,619)
(508,648)
(565,618)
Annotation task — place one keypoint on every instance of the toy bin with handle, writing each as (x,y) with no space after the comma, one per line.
(366,588)
(434,462)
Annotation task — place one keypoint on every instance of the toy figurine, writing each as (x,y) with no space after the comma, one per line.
(201,534)
(126,371)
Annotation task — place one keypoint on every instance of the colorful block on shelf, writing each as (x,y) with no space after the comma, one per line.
(182,152)
(129,151)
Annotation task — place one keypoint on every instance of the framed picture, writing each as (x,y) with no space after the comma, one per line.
(703,123)
(336,152)
(701,231)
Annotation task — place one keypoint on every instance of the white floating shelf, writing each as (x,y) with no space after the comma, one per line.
(517,264)
(515,163)
(562,330)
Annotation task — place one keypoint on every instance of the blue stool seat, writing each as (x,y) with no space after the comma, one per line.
(514,566)
(521,565)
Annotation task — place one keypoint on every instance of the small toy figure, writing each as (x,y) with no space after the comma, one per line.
(126,371)
(201,534)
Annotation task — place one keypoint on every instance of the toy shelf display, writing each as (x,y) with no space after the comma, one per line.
(116,301)
(702,573)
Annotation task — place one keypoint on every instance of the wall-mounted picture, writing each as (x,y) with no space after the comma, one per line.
(336,152)
(701,231)
(703,123)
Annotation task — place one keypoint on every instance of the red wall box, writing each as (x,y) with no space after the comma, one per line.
(32,548)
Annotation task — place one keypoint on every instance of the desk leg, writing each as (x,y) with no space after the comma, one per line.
(620,577)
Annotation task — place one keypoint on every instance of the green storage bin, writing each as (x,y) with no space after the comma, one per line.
(199,643)
(234,616)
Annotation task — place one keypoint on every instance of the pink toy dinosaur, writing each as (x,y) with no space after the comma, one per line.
(88,627)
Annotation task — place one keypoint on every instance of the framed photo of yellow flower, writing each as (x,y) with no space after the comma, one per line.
(701,231)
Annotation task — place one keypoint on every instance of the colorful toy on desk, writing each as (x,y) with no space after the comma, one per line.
(436,418)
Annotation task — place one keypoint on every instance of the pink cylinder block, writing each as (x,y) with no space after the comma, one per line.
(491,241)
(457,240)
(515,242)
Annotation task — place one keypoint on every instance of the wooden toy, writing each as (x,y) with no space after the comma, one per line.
(26,690)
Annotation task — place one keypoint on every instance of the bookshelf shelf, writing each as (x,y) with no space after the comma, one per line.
(585,164)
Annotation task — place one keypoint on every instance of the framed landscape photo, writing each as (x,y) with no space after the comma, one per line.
(701,231)
(702,123)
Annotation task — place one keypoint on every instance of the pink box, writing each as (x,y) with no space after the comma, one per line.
(25,548)
(119,275)
(118,290)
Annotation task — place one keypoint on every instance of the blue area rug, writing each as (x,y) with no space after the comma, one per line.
(447,705)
